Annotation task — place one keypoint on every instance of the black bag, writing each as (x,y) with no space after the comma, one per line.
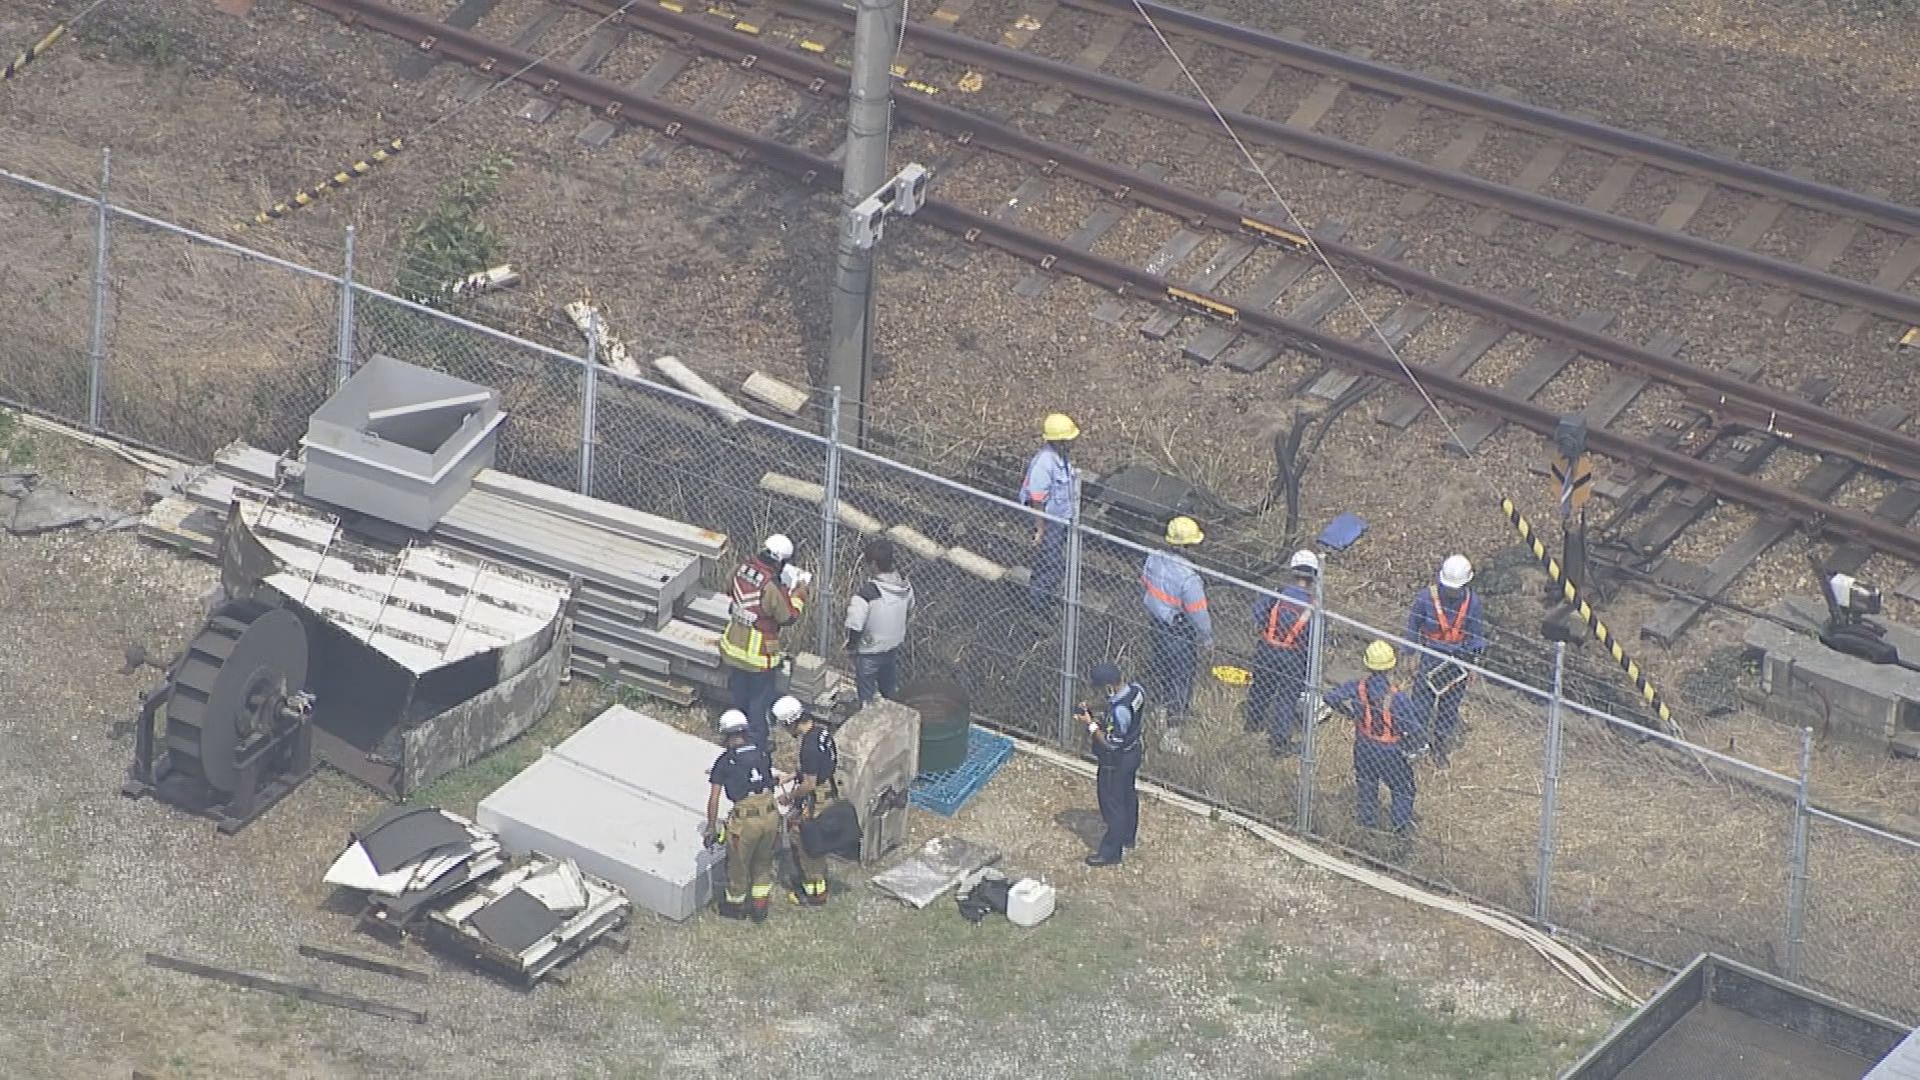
(987,897)
(836,831)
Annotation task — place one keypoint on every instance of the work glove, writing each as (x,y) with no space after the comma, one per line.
(717,836)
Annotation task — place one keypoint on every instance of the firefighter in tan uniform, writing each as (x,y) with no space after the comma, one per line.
(768,594)
(814,789)
(745,774)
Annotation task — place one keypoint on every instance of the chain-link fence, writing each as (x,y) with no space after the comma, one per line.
(1542,804)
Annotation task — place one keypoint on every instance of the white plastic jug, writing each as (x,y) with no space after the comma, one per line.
(1029,902)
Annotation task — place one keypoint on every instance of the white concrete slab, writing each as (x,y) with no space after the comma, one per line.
(625,798)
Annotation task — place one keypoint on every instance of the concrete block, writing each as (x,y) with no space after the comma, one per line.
(879,757)
(624,797)
(1806,683)
(400,443)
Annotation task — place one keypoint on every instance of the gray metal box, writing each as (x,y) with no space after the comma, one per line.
(625,797)
(400,442)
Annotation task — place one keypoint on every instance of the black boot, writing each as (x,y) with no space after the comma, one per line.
(730,910)
(1101,858)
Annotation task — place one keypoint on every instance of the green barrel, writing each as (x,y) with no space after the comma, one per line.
(945,717)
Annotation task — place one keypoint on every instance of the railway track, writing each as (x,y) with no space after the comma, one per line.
(1731,401)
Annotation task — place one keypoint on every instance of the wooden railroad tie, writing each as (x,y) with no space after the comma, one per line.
(287,989)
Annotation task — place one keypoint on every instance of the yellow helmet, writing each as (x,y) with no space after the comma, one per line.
(1059,427)
(1182,531)
(1380,657)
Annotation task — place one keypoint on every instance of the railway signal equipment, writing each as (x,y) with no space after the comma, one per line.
(904,194)
(238,729)
(1849,603)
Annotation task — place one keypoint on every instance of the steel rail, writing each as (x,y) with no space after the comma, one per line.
(622,103)
(1326,150)
(1736,399)
(1754,179)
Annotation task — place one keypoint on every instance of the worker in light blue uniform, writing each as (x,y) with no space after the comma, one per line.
(1389,730)
(1178,627)
(1048,488)
(1283,626)
(1446,618)
(1115,732)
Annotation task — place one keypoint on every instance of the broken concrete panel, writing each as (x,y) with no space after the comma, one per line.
(473,728)
(879,757)
(15,485)
(45,509)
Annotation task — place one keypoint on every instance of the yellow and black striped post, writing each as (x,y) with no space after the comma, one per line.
(309,196)
(32,52)
(1586,615)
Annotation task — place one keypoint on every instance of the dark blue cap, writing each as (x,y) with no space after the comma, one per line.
(1106,674)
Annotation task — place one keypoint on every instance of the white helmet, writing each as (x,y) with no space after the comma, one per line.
(787,710)
(1304,561)
(1455,572)
(732,722)
(779,547)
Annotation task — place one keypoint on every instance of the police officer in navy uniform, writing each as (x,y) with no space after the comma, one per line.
(744,773)
(1116,734)
(814,789)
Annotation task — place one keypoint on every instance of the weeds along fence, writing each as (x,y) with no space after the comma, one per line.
(1553,809)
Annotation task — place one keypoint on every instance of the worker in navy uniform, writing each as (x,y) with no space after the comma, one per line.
(1446,618)
(1285,627)
(814,789)
(1115,730)
(744,773)
(1389,731)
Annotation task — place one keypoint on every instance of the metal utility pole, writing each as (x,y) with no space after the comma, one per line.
(876,38)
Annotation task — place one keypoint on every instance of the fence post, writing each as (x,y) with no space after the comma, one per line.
(1550,788)
(97,338)
(589,400)
(1309,705)
(1070,617)
(1797,867)
(343,345)
(829,531)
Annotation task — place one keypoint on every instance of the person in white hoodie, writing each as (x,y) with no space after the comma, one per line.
(877,624)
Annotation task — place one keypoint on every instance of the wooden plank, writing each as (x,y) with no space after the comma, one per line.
(1745,453)
(1536,172)
(1899,506)
(1097,51)
(666,532)
(1674,617)
(416,64)
(1172,253)
(1549,359)
(1610,189)
(1686,203)
(1454,156)
(1893,275)
(1405,322)
(364,963)
(1821,256)
(1394,126)
(288,989)
(599,45)
(1288,269)
(1320,101)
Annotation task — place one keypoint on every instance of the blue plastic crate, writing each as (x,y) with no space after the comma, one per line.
(945,793)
